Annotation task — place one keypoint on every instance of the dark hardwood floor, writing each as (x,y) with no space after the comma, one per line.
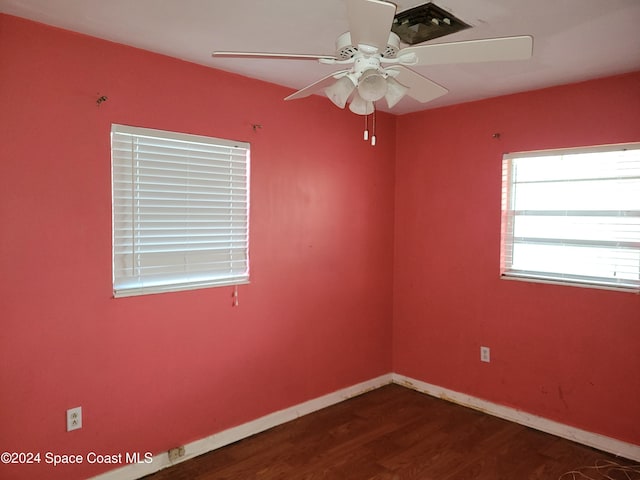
(394,433)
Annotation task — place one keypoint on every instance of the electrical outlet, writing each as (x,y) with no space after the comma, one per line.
(485,354)
(176,453)
(74,418)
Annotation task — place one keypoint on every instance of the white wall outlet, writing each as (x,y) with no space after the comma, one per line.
(74,418)
(485,354)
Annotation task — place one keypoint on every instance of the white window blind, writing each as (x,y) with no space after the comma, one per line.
(573,216)
(180,211)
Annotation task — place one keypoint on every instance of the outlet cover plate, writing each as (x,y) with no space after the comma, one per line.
(74,418)
(485,354)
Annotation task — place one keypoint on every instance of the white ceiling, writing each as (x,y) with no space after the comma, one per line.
(574,40)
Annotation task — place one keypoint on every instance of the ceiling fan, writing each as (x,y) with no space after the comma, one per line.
(376,66)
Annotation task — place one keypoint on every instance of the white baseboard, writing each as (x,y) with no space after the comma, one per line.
(226,437)
(601,442)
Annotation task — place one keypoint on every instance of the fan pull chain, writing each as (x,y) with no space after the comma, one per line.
(373,129)
(366,128)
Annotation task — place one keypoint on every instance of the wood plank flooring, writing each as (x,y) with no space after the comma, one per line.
(394,433)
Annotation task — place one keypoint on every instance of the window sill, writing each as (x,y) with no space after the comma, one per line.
(566,283)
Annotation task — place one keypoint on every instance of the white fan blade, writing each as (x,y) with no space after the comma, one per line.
(370,22)
(420,88)
(317,86)
(487,50)
(291,56)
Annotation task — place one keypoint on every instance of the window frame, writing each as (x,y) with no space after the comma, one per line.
(201,187)
(509,216)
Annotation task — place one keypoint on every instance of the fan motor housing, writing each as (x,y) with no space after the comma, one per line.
(346,50)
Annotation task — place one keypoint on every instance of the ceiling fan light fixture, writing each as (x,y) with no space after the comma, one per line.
(395,92)
(372,85)
(376,61)
(339,92)
(360,106)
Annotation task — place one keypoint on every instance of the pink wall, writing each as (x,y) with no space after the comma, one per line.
(569,354)
(154,372)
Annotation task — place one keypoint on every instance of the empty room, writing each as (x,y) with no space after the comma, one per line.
(342,239)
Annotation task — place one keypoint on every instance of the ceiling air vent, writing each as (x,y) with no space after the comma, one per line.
(425,22)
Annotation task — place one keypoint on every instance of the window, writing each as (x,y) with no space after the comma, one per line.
(573,216)
(180,211)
